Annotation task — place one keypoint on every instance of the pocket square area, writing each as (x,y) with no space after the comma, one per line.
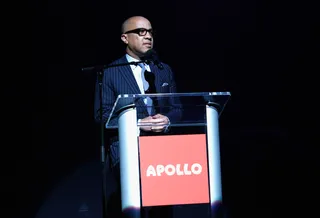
(164,84)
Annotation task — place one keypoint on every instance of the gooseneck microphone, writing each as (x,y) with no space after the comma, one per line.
(152,56)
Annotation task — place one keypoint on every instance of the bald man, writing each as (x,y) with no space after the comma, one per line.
(138,36)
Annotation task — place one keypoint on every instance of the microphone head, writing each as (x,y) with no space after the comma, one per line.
(152,56)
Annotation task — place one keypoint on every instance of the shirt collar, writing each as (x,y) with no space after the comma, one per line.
(131,59)
(133,66)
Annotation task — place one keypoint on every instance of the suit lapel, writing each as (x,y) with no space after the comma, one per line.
(128,76)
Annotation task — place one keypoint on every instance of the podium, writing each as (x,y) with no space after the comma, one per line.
(178,166)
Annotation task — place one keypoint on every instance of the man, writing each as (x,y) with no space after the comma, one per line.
(137,34)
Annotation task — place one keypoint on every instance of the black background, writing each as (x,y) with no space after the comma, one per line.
(264,52)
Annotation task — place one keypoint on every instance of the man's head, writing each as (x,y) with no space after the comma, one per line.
(136,33)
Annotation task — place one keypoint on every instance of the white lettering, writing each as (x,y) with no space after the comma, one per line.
(171,170)
(179,172)
(186,171)
(151,171)
(196,168)
(160,169)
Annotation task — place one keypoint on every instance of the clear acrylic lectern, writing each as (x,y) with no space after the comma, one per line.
(185,110)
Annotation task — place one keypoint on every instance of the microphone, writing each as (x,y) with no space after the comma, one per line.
(151,55)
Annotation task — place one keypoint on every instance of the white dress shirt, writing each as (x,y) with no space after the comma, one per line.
(136,69)
(138,74)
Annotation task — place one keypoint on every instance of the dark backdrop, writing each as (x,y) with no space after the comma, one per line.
(264,52)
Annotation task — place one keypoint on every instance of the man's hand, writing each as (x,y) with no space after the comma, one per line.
(155,123)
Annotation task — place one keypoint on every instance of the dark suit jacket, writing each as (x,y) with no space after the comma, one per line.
(120,80)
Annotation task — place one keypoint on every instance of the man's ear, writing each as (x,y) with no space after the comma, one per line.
(124,38)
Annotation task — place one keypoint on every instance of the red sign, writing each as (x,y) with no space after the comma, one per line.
(173,170)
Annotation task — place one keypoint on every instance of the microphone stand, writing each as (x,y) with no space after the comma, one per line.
(99,70)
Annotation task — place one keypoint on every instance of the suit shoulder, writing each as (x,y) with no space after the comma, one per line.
(111,69)
(167,66)
(119,60)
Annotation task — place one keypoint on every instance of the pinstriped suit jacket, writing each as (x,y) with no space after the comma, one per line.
(120,80)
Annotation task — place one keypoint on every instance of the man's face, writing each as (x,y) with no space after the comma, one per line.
(138,37)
